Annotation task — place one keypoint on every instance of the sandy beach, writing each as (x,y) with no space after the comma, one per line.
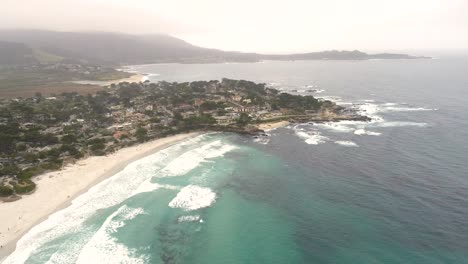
(272,125)
(134,78)
(55,190)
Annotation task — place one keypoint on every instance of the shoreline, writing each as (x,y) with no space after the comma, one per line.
(56,190)
(134,78)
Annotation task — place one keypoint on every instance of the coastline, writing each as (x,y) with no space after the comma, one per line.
(134,78)
(56,190)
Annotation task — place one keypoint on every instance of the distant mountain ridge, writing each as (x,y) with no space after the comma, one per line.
(23,46)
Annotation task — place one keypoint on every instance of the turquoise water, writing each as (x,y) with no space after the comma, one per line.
(391,191)
(183,205)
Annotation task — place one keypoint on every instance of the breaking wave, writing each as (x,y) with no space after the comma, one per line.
(400,124)
(367,107)
(406,109)
(104,248)
(193,197)
(336,127)
(132,180)
(191,159)
(362,131)
(346,143)
(310,137)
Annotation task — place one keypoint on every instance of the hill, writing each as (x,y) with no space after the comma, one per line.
(117,49)
(121,49)
(16,53)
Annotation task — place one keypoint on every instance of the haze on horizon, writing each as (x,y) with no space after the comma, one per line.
(261,25)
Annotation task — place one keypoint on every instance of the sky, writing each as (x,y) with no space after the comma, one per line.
(260,25)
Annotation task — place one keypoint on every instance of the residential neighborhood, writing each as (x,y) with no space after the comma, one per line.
(43,133)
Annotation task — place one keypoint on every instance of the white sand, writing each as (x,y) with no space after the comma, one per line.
(272,125)
(134,78)
(56,190)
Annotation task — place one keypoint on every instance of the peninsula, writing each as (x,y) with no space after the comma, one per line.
(45,133)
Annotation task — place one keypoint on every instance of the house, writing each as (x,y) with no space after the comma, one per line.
(184,107)
(118,134)
(197,102)
(236,98)
(223,120)
(189,114)
(119,127)
(149,107)
(219,98)
(28,125)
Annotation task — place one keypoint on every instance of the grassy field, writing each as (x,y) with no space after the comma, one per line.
(49,89)
(45,57)
(48,82)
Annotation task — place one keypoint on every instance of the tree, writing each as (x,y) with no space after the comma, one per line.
(5,191)
(98,148)
(141,134)
(7,143)
(209,105)
(243,119)
(69,139)
(178,116)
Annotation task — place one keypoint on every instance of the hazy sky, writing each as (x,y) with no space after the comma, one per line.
(260,25)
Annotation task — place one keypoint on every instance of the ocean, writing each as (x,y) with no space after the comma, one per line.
(394,190)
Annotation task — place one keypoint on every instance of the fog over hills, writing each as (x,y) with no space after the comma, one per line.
(27,46)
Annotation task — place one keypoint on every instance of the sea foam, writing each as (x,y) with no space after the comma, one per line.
(104,248)
(362,131)
(406,109)
(193,197)
(346,143)
(310,137)
(336,127)
(132,180)
(189,218)
(400,124)
(191,159)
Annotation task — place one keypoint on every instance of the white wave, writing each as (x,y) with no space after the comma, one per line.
(370,110)
(104,248)
(362,131)
(262,140)
(193,197)
(335,99)
(346,143)
(343,103)
(144,78)
(406,109)
(311,137)
(191,159)
(189,218)
(110,192)
(337,127)
(149,186)
(400,124)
